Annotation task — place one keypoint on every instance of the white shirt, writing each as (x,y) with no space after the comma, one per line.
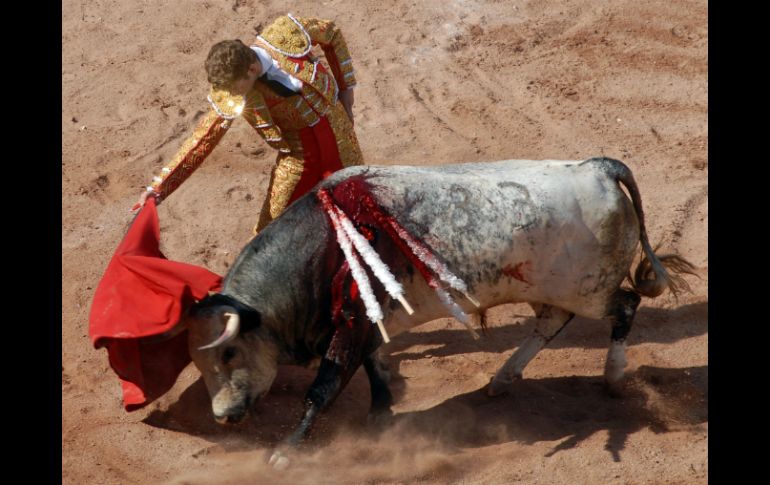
(274,72)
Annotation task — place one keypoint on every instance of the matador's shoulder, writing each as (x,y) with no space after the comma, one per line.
(288,36)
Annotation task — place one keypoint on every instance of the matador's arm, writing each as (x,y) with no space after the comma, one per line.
(329,37)
(208,133)
(191,155)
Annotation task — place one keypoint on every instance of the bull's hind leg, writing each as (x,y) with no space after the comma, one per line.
(550,321)
(622,310)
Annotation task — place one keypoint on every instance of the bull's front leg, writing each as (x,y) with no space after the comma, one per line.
(346,352)
(325,388)
(382,399)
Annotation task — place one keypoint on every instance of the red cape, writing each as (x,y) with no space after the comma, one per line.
(142,296)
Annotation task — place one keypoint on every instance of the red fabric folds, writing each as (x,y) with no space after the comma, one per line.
(321,155)
(137,306)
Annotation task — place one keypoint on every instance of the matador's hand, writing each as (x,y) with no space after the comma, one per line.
(143,199)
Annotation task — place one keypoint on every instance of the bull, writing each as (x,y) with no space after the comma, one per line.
(559,235)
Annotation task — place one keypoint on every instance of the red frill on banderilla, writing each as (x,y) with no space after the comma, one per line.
(352,210)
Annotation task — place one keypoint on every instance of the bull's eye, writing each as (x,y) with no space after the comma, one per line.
(228,354)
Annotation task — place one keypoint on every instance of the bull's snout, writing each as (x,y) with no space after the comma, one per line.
(230,407)
(231,417)
(232,414)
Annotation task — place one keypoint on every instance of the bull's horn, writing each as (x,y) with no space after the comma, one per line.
(231,330)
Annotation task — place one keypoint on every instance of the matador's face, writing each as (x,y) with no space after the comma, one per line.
(244,85)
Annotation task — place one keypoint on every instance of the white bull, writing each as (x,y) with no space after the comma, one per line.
(560,235)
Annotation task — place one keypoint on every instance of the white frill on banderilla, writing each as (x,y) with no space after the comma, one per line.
(354,244)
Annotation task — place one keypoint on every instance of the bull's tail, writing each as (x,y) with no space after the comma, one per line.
(655,272)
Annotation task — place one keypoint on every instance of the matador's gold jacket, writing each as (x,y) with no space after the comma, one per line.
(277,119)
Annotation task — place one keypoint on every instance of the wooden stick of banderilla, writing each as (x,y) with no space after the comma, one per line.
(406,305)
(471,299)
(370,256)
(383,331)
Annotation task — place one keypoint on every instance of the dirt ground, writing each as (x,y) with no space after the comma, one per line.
(440,81)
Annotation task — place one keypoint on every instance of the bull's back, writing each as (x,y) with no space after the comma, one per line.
(557,232)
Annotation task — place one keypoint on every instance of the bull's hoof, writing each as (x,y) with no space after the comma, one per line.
(279,461)
(496,388)
(615,389)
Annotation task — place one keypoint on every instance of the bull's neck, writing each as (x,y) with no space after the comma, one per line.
(285,274)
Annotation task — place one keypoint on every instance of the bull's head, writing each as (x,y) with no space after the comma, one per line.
(234,353)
